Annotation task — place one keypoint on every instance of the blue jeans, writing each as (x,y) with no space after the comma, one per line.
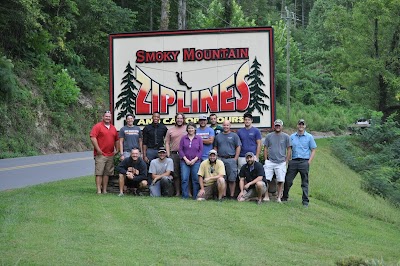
(190,172)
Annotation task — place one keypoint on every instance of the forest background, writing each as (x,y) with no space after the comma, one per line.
(344,65)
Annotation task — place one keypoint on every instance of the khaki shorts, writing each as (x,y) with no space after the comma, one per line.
(210,191)
(104,165)
(252,193)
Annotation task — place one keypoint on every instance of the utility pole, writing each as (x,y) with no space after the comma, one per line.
(288,62)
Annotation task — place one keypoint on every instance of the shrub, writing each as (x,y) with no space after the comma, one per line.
(65,90)
(375,155)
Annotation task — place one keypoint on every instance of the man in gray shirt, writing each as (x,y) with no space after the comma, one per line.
(228,145)
(277,152)
(161,169)
(130,137)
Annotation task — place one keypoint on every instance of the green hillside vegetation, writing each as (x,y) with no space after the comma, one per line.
(54,61)
(374,153)
(66,223)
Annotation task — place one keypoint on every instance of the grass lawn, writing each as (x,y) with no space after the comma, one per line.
(66,223)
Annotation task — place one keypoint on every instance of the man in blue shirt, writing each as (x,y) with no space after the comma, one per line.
(303,152)
(251,140)
(207,134)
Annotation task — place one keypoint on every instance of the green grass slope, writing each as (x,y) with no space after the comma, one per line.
(66,223)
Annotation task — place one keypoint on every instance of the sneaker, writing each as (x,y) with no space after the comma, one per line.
(120,194)
(266,199)
(259,202)
(278,200)
(284,200)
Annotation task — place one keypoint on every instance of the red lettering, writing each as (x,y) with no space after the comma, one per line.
(194,95)
(232,54)
(226,94)
(142,106)
(188,54)
(181,108)
(155,88)
(140,56)
(167,99)
(243,101)
(209,100)
(150,57)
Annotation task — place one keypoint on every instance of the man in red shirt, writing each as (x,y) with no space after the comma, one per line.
(104,138)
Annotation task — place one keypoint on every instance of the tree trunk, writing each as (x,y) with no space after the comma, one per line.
(164,21)
(227,13)
(182,14)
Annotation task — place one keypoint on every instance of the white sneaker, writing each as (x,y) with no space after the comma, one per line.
(120,194)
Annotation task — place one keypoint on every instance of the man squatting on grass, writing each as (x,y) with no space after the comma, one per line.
(252,180)
(211,178)
(161,170)
(133,172)
(104,138)
(277,152)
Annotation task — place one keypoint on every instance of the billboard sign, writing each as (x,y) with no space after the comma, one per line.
(224,71)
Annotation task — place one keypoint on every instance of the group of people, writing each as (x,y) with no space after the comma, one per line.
(203,162)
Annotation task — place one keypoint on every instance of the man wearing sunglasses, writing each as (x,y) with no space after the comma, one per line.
(211,177)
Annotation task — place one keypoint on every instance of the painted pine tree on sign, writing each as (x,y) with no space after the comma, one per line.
(127,97)
(257,94)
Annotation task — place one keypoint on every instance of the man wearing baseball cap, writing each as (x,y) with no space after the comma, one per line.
(277,152)
(303,152)
(161,169)
(252,182)
(211,177)
(207,135)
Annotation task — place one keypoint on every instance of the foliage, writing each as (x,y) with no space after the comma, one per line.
(363,56)
(65,91)
(8,80)
(321,117)
(374,153)
(213,16)
(357,261)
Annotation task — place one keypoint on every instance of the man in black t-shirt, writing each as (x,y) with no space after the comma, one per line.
(252,180)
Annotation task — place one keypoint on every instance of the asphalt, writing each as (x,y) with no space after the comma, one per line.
(28,171)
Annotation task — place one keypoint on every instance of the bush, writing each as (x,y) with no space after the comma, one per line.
(375,155)
(8,80)
(65,91)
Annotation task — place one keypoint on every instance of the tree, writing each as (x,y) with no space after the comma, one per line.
(164,21)
(257,94)
(216,16)
(366,60)
(127,97)
(182,15)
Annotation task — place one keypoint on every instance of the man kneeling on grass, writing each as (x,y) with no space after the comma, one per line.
(132,172)
(161,169)
(252,180)
(211,177)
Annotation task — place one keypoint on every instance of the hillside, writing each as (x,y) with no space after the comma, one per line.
(66,222)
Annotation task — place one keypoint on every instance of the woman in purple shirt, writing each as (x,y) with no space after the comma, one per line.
(190,151)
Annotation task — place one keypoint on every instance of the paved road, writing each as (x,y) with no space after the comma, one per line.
(27,171)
